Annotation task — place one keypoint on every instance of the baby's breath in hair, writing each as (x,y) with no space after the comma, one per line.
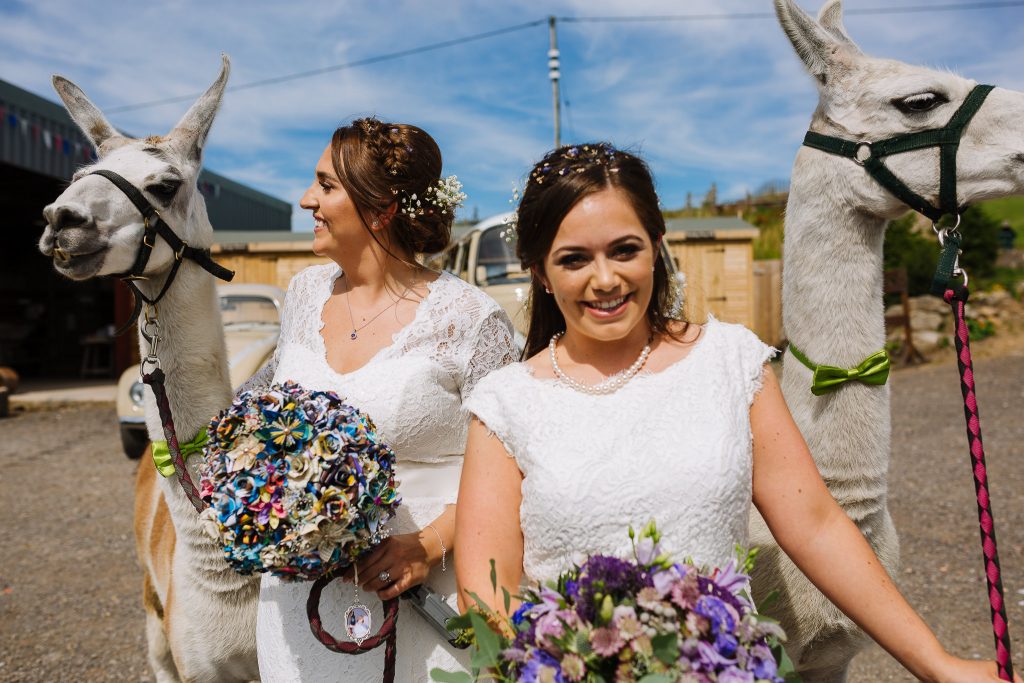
(445,195)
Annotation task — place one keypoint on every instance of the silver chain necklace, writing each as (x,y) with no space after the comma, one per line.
(605,386)
(355,330)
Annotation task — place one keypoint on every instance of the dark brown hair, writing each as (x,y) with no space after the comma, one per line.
(379,164)
(557,183)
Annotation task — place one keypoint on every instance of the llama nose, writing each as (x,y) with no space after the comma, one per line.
(60,217)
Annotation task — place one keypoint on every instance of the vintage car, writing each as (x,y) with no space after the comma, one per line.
(486,257)
(251,317)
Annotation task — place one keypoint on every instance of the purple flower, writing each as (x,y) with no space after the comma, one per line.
(520,614)
(729,579)
(549,628)
(762,663)
(608,576)
(734,675)
(647,550)
(710,659)
(541,668)
(722,616)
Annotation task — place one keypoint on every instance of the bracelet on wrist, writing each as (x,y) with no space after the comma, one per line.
(444,551)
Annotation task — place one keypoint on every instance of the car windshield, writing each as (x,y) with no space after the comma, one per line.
(247,309)
(496,256)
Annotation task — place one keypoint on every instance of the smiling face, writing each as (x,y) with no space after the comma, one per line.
(600,267)
(336,220)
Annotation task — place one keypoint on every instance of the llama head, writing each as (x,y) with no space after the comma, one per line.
(92,228)
(862,98)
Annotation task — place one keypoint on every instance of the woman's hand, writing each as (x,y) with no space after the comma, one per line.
(956,670)
(405,558)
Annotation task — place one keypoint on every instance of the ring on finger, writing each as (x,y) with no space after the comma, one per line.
(384,576)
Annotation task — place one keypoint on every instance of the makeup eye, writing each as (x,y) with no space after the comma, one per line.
(325,187)
(920,103)
(627,250)
(571,260)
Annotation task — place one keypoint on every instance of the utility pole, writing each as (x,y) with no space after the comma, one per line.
(554,75)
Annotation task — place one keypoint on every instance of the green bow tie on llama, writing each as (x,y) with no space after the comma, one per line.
(162,453)
(873,370)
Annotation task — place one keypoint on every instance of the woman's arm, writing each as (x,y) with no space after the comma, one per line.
(487,524)
(831,551)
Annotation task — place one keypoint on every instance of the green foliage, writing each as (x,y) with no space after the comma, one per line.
(1009,209)
(980,329)
(916,252)
(980,242)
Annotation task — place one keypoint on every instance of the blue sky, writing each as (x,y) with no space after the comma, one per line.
(722,100)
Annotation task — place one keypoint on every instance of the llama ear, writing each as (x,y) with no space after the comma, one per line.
(194,126)
(84,113)
(816,47)
(830,17)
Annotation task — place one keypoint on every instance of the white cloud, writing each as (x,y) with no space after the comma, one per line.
(714,100)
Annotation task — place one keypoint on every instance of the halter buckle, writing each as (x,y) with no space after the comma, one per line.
(941,233)
(181,251)
(862,152)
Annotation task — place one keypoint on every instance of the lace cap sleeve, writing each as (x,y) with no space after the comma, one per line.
(489,403)
(492,346)
(750,354)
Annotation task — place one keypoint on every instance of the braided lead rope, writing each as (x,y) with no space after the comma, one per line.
(957,298)
(387,635)
(156,380)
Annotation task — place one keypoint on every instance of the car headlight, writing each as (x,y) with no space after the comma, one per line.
(136,393)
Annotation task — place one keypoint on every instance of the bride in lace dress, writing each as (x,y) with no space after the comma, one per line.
(620,416)
(404,345)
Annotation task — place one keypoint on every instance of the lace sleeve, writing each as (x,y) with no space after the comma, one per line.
(493,346)
(487,403)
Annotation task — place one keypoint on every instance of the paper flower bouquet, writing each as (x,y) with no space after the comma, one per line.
(646,619)
(298,482)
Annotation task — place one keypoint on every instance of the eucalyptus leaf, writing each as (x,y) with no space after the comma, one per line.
(488,643)
(442,676)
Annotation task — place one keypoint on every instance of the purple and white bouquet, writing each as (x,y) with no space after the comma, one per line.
(298,482)
(644,620)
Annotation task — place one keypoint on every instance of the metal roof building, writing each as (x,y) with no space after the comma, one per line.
(50,326)
(38,135)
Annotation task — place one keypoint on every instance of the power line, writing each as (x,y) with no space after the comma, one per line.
(537,22)
(906,9)
(339,67)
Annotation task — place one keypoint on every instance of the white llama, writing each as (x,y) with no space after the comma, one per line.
(200,614)
(832,287)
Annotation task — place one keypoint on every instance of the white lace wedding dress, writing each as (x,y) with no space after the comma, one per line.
(672,446)
(413,391)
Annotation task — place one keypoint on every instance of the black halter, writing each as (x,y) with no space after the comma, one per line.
(870,155)
(154,225)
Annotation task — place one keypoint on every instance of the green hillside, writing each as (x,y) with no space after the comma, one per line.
(1008,209)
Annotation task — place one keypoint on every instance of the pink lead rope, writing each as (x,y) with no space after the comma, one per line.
(957,298)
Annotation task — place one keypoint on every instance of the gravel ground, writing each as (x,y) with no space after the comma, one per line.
(70,606)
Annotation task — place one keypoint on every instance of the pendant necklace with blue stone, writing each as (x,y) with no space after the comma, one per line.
(355,330)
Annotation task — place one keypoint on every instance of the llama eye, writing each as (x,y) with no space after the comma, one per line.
(164,191)
(920,103)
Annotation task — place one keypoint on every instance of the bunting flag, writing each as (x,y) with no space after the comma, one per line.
(67,146)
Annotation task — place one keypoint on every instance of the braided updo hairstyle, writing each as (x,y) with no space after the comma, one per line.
(379,164)
(556,184)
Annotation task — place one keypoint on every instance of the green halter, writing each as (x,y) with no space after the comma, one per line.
(870,156)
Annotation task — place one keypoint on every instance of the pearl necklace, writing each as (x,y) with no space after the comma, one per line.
(606,386)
